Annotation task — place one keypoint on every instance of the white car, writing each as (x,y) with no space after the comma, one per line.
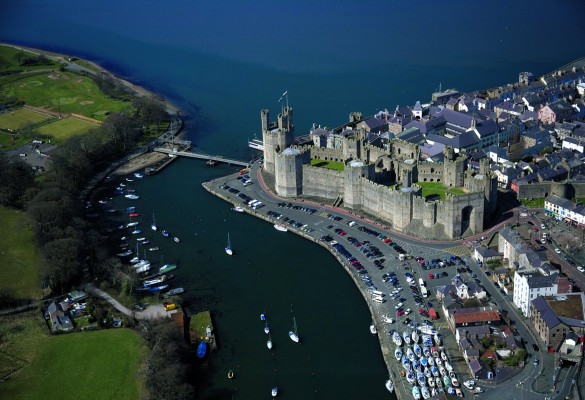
(558,251)
(408,311)
(478,389)
(542,226)
(397,306)
(581,269)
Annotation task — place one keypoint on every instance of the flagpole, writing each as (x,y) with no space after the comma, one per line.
(287,99)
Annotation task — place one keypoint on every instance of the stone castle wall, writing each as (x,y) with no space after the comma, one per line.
(543,189)
(322,182)
(322,153)
(430,172)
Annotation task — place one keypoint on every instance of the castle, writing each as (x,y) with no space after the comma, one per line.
(380,179)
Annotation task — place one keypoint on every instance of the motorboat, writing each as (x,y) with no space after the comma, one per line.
(129,180)
(442,371)
(426,394)
(389,385)
(438,382)
(228,248)
(434,352)
(446,381)
(398,354)
(427,372)
(430,361)
(426,351)
(238,209)
(448,366)
(415,336)
(427,340)
(262,317)
(417,350)
(140,239)
(130,209)
(420,377)
(397,339)
(266,328)
(177,240)
(154,281)
(416,364)
(269,342)
(438,361)
(280,227)
(431,381)
(167,268)
(125,254)
(136,231)
(202,349)
(153,225)
(424,362)
(143,268)
(410,377)
(155,248)
(373,329)
(434,392)
(434,371)
(175,291)
(138,174)
(132,196)
(416,392)
(293,333)
(156,289)
(410,354)
(427,330)
(437,339)
(165,233)
(443,356)
(406,336)
(274,391)
(406,363)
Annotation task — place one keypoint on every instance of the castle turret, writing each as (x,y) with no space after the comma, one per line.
(289,172)
(354,171)
(276,138)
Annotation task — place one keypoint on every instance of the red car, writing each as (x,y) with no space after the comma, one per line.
(400,313)
(431,276)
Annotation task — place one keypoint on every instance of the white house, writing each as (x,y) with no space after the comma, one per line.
(530,284)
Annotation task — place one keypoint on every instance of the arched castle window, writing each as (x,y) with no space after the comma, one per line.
(432,170)
(411,155)
(432,180)
(425,179)
(398,151)
(438,179)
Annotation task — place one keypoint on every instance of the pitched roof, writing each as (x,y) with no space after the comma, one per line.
(477,316)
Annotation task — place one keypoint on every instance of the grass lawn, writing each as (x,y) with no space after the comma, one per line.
(533,203)
(19,262)
(199,323)
(64,128)
(335,165)
(9,141)
(9,56)
(86,365)
(20,117)
(437,188)
(65,92)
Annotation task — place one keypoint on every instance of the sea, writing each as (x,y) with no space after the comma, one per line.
(220,63)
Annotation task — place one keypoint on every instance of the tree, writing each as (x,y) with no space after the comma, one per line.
(120,129)
(62,262)
(18,57)
(471,302)
(16,177)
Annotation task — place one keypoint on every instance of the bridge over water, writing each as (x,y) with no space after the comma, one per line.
(184,148)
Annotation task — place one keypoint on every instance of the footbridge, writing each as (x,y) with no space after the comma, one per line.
(184,148)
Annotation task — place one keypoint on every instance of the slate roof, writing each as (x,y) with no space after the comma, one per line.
(487,128)
(475,366)
(487,252)
(546,313)
(456,118)
(499,151)
(560,201)
(373,123)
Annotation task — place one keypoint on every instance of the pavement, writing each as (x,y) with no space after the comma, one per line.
(530,382)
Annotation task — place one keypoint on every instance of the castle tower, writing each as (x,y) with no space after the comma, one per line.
(353,193)
(276,138)
(289,172)
(453,169)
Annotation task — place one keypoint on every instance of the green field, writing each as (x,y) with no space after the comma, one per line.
(20,117)
(335,165)
(9,141)
(9,60)
(65,128)
(199,323)
(437,188)
(19,262)
(533,203)
(66,93)
(86,365)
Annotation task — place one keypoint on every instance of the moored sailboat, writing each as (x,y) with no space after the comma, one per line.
(153,225)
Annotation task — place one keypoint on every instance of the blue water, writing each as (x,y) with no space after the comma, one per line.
(223,61)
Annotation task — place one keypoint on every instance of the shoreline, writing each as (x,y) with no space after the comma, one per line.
(170,107)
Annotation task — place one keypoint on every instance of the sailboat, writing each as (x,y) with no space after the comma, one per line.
(269,342)
(228,248)
(293,334)
(153,225)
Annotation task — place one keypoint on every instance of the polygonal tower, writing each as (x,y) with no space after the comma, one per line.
(276,137)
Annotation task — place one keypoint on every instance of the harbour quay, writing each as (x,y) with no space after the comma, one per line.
(314,219)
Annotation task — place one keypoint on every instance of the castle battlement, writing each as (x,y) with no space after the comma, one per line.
(369,170)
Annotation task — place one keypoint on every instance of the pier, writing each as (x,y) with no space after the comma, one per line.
(184,148)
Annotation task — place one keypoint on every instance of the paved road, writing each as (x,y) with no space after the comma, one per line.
(533,382)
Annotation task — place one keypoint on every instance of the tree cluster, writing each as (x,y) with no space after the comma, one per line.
(111,86)
(167,367)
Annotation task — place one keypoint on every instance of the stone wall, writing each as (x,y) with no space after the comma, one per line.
(326,154)
(430,172)
(322,182)
(543,189)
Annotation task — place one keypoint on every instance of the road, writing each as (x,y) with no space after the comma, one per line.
(532,382)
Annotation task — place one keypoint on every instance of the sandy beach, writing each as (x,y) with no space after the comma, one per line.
(139,163)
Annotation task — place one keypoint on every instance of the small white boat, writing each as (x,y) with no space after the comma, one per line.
(238,209)
(387,319)
(389,385)
(175,291)
(373,329)
(425,392)
(280,227)
(140,239)
(397,339)
(153,225)
(138,174)
(274,391)
(129,180)
(293,334)
(130,224)
(156,248)
(398,354)
(415,336)
(228,248)
(406,336)
(269,342)
(410,378)
(132,196)
(266,328)
(177,240)
(416,392)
